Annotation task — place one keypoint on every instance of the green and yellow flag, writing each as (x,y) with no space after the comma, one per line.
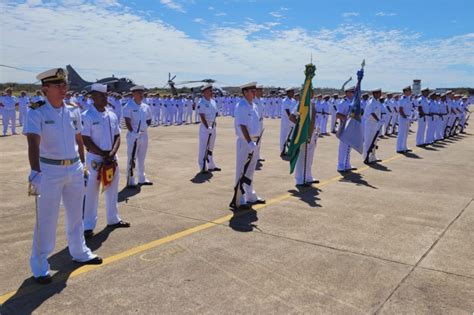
(301,130)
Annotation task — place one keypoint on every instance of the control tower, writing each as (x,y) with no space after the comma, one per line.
(416,88)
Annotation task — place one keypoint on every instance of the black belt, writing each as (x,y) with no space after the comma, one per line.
(59,162)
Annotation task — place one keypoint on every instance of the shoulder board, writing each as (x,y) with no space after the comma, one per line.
(36,105)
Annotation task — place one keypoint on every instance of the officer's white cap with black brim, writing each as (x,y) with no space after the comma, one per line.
(205,87)
(137,88)
(55,75)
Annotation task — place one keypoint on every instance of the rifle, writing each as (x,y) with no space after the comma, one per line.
(207,152)
(285,145)
(132,158)
(239,186)
(372,145)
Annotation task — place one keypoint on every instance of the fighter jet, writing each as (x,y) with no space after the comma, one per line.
(114,84)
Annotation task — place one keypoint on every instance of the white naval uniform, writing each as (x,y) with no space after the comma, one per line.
(333,110)
(443,120)
(209,109)
(101,127)
(246,115)
(260,104)
(421,138)
(403,123)
(371,127)
(323,123)
(285,124)
(57,129)
(344,152)
(9,113)
(137,113)
(303,169)
(23,103)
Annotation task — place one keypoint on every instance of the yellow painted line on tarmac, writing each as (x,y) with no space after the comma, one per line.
(170,238)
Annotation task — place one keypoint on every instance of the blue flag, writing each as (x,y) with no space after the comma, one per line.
(352,132)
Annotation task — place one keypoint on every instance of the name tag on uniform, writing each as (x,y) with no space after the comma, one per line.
(96,122)
(49,122)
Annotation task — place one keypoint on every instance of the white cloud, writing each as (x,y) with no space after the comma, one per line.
(173,5)
(220,14)
(385,14)
(94,40)
(276,14)
(350,14)
(199,20)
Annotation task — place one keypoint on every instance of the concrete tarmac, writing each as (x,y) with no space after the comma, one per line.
(392,238)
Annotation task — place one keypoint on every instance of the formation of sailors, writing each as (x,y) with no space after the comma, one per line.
(73,137)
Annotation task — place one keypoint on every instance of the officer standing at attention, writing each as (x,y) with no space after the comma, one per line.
(288,105)
(248,130)
(8,104)
(101,135)
(372,127)
(404,109)
(23,103)
(137,117)
(423,116)
(207,109)
(343,111)
(56,154)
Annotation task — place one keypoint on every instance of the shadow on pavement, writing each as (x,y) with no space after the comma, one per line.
(356,178)
(126,193)
(243,221)
(200,178)
(308,194)
(379,167)
(30,295)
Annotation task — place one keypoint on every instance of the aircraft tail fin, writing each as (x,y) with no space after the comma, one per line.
(74,79)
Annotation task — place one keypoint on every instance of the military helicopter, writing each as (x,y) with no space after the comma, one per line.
(195,90)
(114,84)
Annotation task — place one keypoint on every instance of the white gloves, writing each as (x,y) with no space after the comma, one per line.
(252,146)
(210,129)
(296,114)
(35,182)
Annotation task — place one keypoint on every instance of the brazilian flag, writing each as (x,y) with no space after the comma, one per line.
(301,130)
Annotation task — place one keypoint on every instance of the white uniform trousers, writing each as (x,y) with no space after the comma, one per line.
(66,182)
(9,117)
(421,132)
(92,197)
(324,123)
(259,147)
(156,114)
(403,126)
(180,115)
(430,132)
(370,129)
(188,115)
(303,173)
(344,157)
(285,128)
(388,119)
(333,122)
(203,138)
(242,152)
(142,147)
(22,117)
(439,123)
(197,118)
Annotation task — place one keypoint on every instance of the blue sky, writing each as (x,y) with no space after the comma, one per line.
(236,41)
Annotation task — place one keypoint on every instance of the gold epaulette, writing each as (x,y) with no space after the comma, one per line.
(37,104)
